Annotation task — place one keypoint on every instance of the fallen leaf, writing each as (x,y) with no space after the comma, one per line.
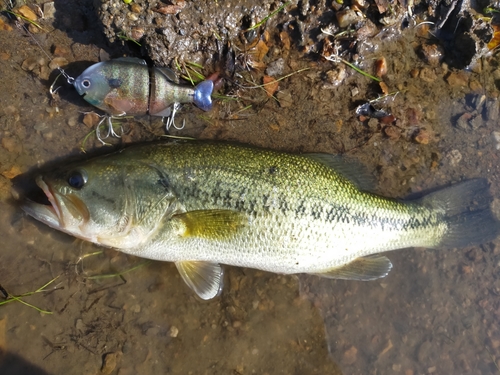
(270,85)
(260,50)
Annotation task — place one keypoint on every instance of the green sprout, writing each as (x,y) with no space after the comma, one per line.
(126,38)
(25,19)
(118,274)
(264,20)
(10,298)
(489,10)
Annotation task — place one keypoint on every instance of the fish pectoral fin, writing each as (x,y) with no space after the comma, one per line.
(211,224)
(366,268)
(205,278)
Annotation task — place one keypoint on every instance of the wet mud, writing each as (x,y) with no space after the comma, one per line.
(431,121)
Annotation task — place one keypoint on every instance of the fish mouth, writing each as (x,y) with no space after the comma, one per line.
(49,214)
(65,212)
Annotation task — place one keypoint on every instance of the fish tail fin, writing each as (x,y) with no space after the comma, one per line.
(203,95)
(467,213)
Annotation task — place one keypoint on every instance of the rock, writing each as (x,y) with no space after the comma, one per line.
(284,98)
(4,26)
(26,11)
(350,355)
(422,137)
(463,121)
(454,156)
(432,53)
(458,79)
(348,17)
(427,75)
(336,76)
(492,110)
(90,119)
(109,363)
(276,67)
(57,62)
(173,331)
(49,10)
(10,144)
(392,132)
(381,67)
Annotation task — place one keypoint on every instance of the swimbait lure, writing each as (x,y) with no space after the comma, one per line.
(128,86)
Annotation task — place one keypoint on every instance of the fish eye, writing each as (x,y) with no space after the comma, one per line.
(86,83)
(77,179)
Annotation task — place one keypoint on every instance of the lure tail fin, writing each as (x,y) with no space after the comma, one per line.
(203,95)
(467,213)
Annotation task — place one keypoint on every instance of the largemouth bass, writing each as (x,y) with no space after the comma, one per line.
(201,205)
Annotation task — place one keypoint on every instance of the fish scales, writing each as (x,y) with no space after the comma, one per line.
(335,212)
(202,204)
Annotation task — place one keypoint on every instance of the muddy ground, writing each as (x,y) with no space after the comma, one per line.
(437,312)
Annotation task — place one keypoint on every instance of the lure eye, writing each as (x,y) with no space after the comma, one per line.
(86,83)
(77,179)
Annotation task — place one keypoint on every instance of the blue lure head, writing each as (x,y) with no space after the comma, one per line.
(203,95)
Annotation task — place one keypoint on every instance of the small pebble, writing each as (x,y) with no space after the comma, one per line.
(173,331)
(350,355)
(58,62)
(9,143)
(284,98)
(90,119)
(381,67)
(348,17)
(110,362)
(276,67)
(136,8)
(49,10)
(432,53)
(458,79)
(427,75)
(26,11)
(72,121)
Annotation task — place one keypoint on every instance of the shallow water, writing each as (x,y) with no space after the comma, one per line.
(436,312)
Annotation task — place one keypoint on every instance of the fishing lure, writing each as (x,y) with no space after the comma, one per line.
(128,86)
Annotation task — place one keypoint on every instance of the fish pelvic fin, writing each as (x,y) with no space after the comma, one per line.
(468,214)
(203,95)
(204,278)
(211,224)
(366,268)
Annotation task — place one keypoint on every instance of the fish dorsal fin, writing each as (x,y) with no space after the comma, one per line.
(168,73)
(351,169)
(211,224)
(366,268)
(205,278)
(134,60)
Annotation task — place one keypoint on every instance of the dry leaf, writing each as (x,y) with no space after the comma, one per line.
(495,41)
(271,85)
(285,39)
(260,50)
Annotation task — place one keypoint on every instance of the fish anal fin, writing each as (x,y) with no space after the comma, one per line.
(364,269)
(211,224)
(204,278)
